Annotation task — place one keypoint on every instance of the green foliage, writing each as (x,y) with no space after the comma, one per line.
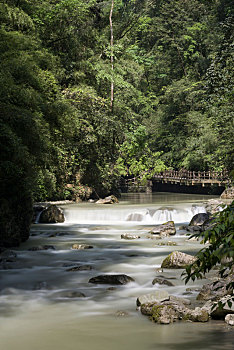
(220,249)
(173,88)
(136,159)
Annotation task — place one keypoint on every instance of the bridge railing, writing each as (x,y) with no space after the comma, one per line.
(184,175)
(192,175)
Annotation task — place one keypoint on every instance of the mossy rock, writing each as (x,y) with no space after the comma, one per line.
(177,260)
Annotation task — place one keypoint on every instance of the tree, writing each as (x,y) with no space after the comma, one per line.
(220,250)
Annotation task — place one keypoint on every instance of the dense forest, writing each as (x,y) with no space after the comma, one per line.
(93,90)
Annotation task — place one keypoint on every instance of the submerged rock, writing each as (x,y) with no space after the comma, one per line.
(121,313)
(81,246)
(111,279)
(129,237)
(52,214)
(8,256)
(42,247)
(164,230)
(69,294)
(160,280)
(80,268)
(108,200)
(169,243)
(177,260)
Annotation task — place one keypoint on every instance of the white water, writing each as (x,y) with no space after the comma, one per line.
(36,315)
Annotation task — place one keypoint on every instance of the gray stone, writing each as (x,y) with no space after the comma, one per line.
(69,294)
(214,290)
(177,260)
(52,214)
(129,237)
(42,247)
(81,246)
(159,280)
(111,279)
(199,219)
(219,309)
(155,297)
(229,319)
(80,268)
(164,230)
(228,193)
(108,200)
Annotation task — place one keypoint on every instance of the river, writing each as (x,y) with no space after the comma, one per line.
(39,305)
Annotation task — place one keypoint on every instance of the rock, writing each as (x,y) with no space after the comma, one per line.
(179,301)
(8,256)
(214,290)
(166,229)
(129,237)
(159,280)
(168,311)
(121,313)
(52,214)
(81,246)
(214,206)
(163,314)
(69,294)
(80,268)
(169,243)
(199,219)
(41,285)
(219,309)
(177,260)
(155,297)
(108,200)
(229,319)
(41,247)
(228,193)
(197,315)
(111,279)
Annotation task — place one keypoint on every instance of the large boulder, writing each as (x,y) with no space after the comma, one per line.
(178,260)
(228,193)
(52,214)
(214,206)
(155,297)
(171,309)
(219,309)
(199,219)
(111,279)
(164,230)
(108,200)
(214,290)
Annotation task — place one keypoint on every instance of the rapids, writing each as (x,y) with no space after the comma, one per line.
(39,305)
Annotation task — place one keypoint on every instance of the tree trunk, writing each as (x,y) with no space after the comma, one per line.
(112,55)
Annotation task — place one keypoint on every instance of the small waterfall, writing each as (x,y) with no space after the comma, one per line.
(120,215)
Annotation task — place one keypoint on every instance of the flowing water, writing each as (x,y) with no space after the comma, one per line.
(40,308)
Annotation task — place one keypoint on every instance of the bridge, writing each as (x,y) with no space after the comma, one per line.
(180,177)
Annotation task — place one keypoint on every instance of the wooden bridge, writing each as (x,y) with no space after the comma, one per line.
(191,178)
(183,177)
